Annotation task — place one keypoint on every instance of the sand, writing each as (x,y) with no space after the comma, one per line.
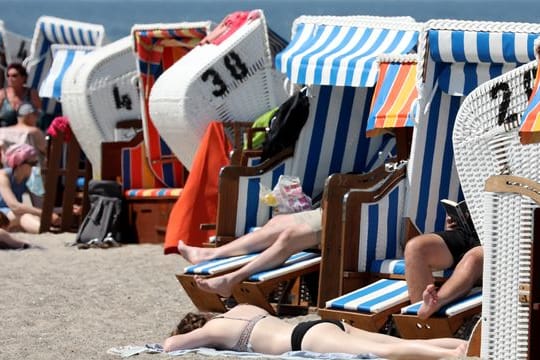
(60,302)
(66,303)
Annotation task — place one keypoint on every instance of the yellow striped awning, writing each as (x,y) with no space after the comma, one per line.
(394,99)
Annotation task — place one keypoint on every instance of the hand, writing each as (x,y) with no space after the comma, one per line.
(55,219)
(450,223)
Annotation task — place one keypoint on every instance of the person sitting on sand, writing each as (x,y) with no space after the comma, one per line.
(7,241)
(438,251)
(248,328)
(19,160)
(281,237)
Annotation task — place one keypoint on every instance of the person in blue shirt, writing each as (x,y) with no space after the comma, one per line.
(19,160)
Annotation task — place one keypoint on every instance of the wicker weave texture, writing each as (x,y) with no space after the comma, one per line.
(99,93)
(486,143)
(189,94)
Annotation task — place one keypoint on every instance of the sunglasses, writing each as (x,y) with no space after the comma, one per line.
(31,162)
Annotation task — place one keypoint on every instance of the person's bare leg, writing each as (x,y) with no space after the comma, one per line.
(467,273)
(252,242)
(449,343)
(327,338)
(9,242)
(289,241)
(424,254)
(30,223)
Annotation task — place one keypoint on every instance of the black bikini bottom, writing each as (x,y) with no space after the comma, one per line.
(302,328)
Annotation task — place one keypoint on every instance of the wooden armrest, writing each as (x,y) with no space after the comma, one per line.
(110,169)
(336,186)
(208,226)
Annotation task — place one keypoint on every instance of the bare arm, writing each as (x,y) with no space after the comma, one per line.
(194,339)
(17,207)
(35,99)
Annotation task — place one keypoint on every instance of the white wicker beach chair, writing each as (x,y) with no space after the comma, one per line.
(51,30)
(488,148)
(456,56)
(97,94)
(232,81)
(14,48)
(333,139)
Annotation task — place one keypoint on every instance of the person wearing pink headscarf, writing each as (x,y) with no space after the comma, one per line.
(19,160)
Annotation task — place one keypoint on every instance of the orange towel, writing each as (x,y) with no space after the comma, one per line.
(198,202)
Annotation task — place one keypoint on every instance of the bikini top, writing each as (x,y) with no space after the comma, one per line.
(243,344)
(8,115)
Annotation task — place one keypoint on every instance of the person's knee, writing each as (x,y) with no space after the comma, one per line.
(284,240)
(474,258)
(415,247)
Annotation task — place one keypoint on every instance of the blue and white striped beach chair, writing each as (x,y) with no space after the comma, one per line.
(339,69)
(63,57)
(490,156)
(454,58)
(51,30)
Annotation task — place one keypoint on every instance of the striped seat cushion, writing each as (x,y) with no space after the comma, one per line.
(160,192)
(217,266)
(372,298)
(474,298)
(397,267)
(297,261)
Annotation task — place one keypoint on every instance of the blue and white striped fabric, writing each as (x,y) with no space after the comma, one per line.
(473,299)
(458,61)
(218,266)
(381,228)
(296,262)
(51,30)
(372,298)
(333,140)
(498,47)
(341,55)
(63,57)
(397,267)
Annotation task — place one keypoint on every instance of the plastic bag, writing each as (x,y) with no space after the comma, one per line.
(286,197)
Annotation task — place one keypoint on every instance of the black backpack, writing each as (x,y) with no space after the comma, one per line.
(286,125)
(102,224)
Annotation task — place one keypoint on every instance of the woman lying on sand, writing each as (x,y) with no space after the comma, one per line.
(252,329)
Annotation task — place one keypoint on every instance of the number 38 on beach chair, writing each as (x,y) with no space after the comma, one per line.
(454,58)
(329,56)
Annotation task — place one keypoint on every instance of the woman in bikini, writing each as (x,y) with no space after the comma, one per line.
(252,329)
(15,94)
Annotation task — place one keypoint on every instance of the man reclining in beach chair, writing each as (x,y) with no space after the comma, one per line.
(453,248)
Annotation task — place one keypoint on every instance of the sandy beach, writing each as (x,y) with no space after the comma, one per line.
(60,302)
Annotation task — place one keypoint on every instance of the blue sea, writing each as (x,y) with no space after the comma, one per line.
(118,16)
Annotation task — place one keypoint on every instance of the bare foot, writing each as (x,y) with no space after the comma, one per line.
(194,254)
(460,351)
(431,302)
(218,285)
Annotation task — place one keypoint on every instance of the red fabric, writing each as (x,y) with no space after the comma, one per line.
(58,125)
(198,202)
